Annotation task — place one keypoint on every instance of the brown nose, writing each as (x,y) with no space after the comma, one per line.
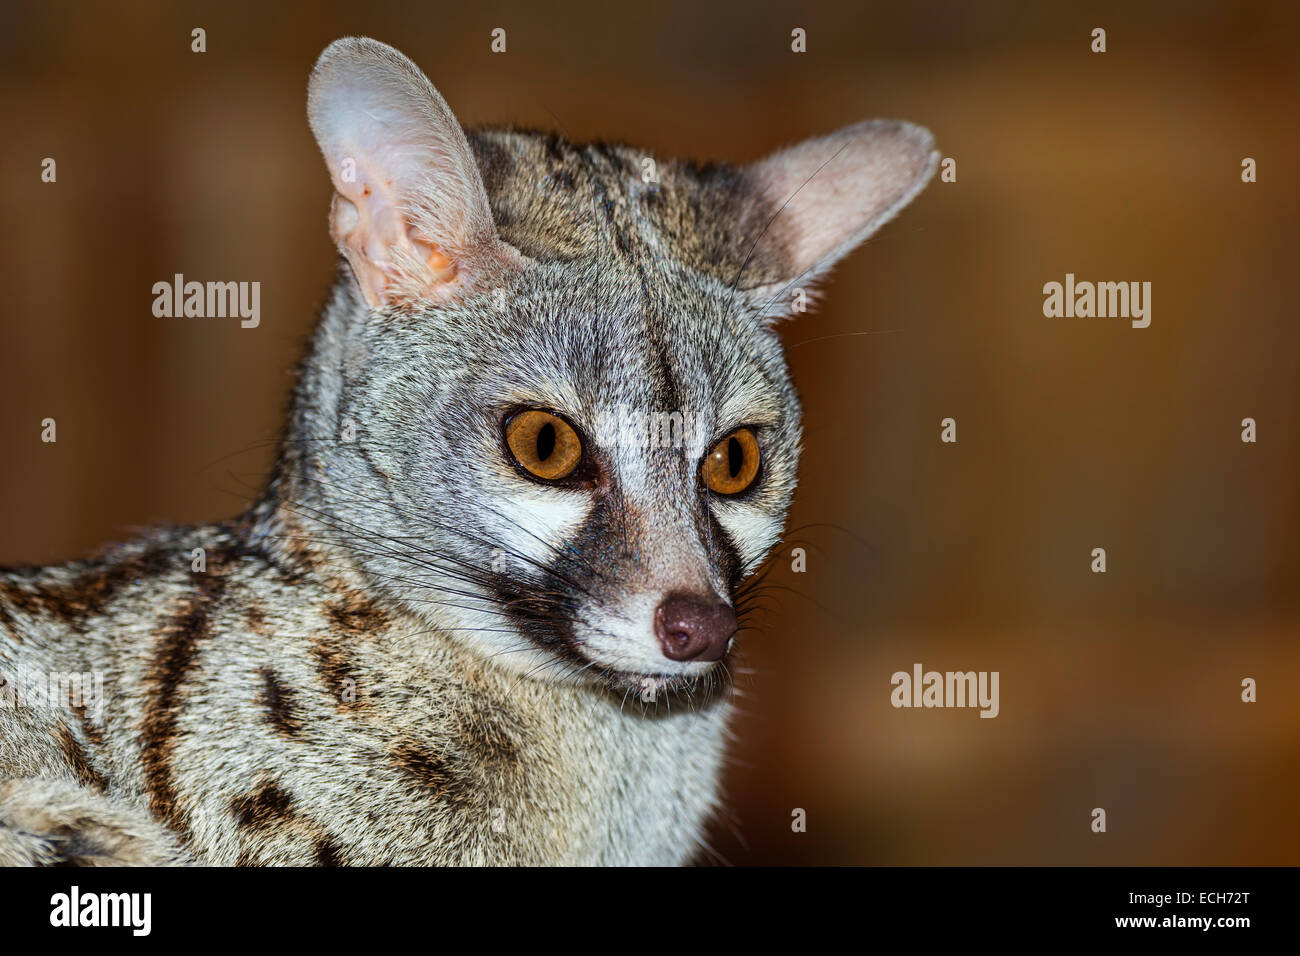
(693,628)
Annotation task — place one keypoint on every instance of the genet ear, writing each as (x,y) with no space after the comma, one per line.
(831,193)
(410,212)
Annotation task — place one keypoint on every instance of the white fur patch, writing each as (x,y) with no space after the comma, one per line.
(753,532)
(538,523)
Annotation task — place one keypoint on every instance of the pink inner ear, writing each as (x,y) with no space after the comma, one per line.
(440,265)
(386,252)
(414,221)
(836,190)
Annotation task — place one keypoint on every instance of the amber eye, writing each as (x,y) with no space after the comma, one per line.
(732,464)
(543,443)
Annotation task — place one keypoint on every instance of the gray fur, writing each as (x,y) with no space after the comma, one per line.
(405,652)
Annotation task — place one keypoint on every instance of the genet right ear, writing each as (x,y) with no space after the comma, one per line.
(834,191)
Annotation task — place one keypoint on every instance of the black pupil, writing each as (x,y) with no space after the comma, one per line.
(545,441)
(735,457)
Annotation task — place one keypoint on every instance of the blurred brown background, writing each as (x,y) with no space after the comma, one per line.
(1118,691)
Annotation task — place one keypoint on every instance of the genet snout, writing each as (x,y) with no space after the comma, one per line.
(693,628)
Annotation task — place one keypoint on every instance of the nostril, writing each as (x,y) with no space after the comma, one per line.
(693,628)
(679,638)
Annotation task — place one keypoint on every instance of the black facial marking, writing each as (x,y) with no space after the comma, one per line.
(670,394)
(542,604)
(724,554)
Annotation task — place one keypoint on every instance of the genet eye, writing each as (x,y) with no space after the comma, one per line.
(732,465)
(544,444)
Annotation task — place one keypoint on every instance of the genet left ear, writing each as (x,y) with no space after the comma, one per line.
(831,193)
(410,212)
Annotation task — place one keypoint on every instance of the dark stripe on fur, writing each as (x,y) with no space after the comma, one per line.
(265,806)
(356,617)
(91,589)
(280,703)
(489,734)
(336,669)
(255,617)
(327,852)
(432,774)
(174,657)
(87,775)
